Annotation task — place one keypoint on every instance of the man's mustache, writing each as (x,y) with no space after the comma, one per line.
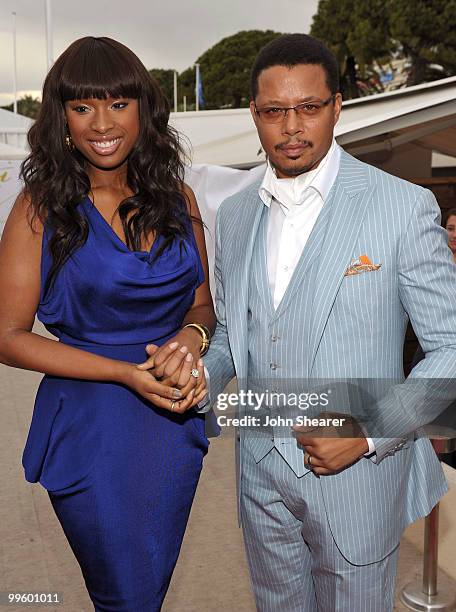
(291,143)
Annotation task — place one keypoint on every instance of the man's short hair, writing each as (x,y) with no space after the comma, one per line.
(293,49)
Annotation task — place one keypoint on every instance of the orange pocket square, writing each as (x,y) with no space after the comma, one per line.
(361,265)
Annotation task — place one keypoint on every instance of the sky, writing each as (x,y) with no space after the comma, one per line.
(164,34)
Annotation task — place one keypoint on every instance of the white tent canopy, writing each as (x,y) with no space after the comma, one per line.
(12,120)
(13,129)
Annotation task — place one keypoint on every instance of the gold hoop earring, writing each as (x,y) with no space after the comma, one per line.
(69,142)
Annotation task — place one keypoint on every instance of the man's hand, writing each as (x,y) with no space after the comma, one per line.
(331,449)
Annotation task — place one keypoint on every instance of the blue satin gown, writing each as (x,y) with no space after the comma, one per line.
(120,472)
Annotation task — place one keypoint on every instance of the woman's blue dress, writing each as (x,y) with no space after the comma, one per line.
(120,472)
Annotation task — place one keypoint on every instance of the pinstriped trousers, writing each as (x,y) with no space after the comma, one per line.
(294,562)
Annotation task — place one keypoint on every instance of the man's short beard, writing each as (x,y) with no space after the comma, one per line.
(293,172)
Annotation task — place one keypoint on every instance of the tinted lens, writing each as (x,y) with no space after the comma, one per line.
(309,109)
(272,115)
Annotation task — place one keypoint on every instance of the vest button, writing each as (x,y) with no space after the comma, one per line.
(274,338)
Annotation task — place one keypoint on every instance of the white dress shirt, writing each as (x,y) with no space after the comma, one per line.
(294,205)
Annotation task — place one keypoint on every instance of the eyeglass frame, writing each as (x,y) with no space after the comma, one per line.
(323,103)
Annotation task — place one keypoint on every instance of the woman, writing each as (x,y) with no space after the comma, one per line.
(106,245)
(450,226)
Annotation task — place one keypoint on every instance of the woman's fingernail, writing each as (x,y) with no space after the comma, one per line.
(200,363)
(189,357)
(177,393)
(173,345)
(183,349)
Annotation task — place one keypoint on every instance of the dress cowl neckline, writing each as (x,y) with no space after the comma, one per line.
(98,218)
(106,294)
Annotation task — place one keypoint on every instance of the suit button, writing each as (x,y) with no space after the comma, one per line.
(274,338)
(273,366)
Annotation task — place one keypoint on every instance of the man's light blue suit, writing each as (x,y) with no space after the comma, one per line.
(329,325)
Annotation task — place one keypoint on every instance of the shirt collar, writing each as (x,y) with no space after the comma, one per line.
(292,190)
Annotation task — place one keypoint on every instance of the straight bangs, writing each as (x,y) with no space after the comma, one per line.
(99,69)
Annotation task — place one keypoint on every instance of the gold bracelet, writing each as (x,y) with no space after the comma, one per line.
(205,335)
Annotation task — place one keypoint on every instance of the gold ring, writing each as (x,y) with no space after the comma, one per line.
(173,403)
(195,373)
(309,461)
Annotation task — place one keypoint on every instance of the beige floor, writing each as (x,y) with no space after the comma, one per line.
(211,575)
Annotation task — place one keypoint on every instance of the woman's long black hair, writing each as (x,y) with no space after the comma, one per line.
(54,175)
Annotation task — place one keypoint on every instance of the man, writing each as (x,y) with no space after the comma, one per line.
(318,268)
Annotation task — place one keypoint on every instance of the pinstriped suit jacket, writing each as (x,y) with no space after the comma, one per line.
(357,331)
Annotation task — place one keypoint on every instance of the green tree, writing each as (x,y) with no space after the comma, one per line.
(426,33)
(165,79)
(27,106)
(357,33)
(186,87)
(225,70)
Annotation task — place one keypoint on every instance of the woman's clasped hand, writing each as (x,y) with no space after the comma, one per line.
(178,366)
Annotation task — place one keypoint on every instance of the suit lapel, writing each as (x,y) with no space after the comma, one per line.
(237,278)
(351,197)
(260,263)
